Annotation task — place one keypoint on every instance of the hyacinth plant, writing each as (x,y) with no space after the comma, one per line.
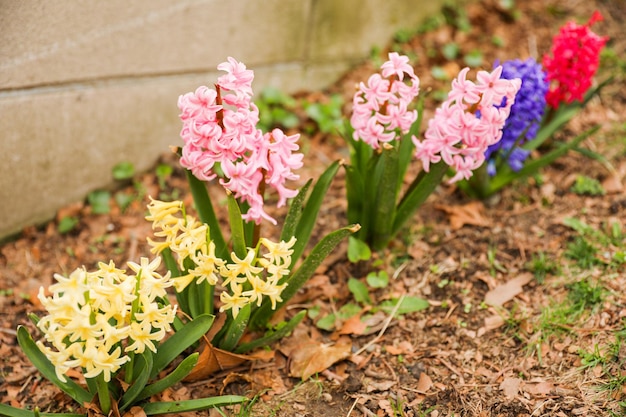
(254,275)
(110,326)
(551,94)
(383,138)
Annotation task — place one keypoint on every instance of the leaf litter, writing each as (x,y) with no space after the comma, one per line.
(475,349)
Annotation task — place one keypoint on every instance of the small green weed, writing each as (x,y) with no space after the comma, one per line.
(585,185)
(540,265)
(582,252)
(276,109)
(327,115)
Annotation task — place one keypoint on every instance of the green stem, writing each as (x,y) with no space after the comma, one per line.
(104,397)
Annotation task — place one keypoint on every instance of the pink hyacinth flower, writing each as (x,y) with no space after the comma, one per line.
(380,107)
(467,122)
(220,128)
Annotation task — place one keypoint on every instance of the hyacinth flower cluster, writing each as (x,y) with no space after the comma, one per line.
(383,139)
(572,62)
(550,95)
(111,325)
(381,107)
(221,136)
(245,280)
(96,319)
(468,122)
(525,115)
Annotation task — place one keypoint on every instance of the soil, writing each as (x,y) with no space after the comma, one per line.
(466,354)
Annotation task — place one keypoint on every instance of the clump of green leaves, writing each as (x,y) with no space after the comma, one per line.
(326,114)
(585,185)
(541,265)
(364,299)
(276,109)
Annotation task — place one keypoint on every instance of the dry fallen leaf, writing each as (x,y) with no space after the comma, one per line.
(470,214)
(505,292)
(212,360)
(424,383)
(510,387)
(542,389)
(353,325)
(313,357)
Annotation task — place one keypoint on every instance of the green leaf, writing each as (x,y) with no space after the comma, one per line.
(359,291)
(207,214)
(294,213)
(349,310)
(423,186)
(377,279)
(311,210)
(409,304)
(47,369)
(236,227)
(358,250)
(273,335)
(235,329)
(327,322)
(67,224)
(386,176)
(177,375)
(143,374)
(156,408)
(99,201)
(534,166)
(7,410)
(180,341)
(123,171)
(473,58)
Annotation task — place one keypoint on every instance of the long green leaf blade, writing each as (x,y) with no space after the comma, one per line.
(138,386)
(273,336)
(180,341)
(152,409)
(207,213)
(387,171)
(532,167)
(47,369)
(235,329)
(236,227)
(311,210)
(295,213)
(7,410)
(417,193)
(177,375)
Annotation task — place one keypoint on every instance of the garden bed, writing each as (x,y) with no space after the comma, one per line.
(525,290)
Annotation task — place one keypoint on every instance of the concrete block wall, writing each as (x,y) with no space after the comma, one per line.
(85,85)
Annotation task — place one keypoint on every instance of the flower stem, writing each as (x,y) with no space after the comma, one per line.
(104,397)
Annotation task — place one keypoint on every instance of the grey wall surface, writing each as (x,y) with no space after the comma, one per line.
(85,85)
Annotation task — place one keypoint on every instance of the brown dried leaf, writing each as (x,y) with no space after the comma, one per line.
(505,292)
(135,412)
(353,325)
(542,389)
(510,387)
(313,357)
(424,383)
(470,214)
(212,360)
(403,348)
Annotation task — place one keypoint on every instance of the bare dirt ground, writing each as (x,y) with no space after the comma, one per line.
(499,338)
